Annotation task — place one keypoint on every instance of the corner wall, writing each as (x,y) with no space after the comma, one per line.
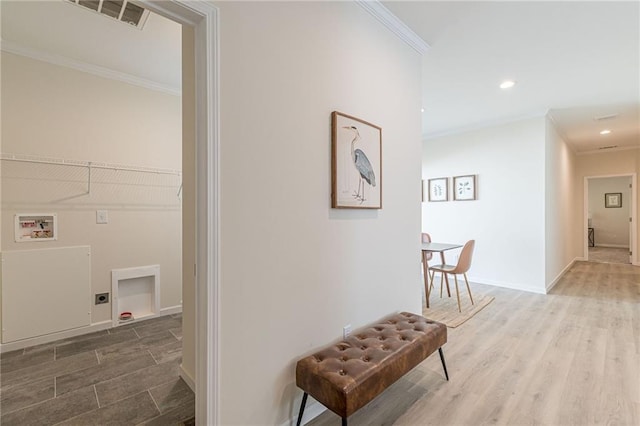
(563,212)
(507,219)
(188,203)
(293,270)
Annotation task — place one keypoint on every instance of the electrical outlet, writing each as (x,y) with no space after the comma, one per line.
(346,331)
(102,298)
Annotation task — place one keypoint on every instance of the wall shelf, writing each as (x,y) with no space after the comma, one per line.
(135,290)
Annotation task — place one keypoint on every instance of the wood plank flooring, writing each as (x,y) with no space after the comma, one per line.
(571,357)
(125,375)
(609,254)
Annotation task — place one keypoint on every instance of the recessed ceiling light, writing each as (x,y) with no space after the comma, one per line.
(421,109)
(605,132)
(508,84)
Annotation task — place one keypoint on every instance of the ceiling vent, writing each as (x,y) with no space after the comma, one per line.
(122,10)
(605,117)
(608,147)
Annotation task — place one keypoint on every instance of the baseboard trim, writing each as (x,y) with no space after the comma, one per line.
(613,246)
(171,310)
(512,286)
(98,326)
(187,378)
(561,274)
(39,340)
(312,410)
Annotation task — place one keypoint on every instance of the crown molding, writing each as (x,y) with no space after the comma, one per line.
(484,125)
(392,22)
(38,55)
(561,133)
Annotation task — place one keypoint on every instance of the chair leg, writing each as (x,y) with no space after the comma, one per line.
(427,291)
(455,277)
(444,365)
(344,421)
(468,288)
(446,281)
(304,402)
(441,283)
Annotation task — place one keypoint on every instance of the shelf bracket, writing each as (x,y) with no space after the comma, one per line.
(89,179)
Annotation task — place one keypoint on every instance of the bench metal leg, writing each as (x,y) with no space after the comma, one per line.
(344,421)
(444,365)
(304,402)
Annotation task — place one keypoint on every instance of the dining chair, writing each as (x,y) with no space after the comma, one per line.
(426,238)
(463,265)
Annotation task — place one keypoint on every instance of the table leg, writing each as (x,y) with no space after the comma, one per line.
(425,268)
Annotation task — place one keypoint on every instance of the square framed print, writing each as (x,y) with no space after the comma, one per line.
(439,189)
(356,163)
(613,200)
(464,188)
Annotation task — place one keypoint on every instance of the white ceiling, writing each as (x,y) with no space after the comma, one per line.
(577,60)
(56,27)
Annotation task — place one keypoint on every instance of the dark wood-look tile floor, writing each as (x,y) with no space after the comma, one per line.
(127,375)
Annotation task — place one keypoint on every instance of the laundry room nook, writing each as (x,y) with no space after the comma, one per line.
(91,200)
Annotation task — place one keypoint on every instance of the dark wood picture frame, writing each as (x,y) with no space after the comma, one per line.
(613,200)
(356,163)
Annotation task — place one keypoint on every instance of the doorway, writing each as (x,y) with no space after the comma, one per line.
(610,219)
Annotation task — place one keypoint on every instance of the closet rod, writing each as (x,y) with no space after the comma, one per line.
(90,165)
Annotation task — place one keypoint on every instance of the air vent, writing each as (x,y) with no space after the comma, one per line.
(122,11)
(606,117)
(608,147)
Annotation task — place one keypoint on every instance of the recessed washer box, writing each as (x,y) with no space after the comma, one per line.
(36,227)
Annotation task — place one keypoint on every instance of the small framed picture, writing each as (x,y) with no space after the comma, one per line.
(464,188)
(439,189)
(613,200)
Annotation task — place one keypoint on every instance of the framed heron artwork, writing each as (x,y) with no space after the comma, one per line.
(356,163)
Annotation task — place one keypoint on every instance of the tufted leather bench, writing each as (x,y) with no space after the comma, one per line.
(345,376)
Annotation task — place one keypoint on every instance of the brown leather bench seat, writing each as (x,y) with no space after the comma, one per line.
(347,375)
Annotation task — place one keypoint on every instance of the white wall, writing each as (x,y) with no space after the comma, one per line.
(563,201)
(52,111)
(611,225)
(293,270)
(507,220)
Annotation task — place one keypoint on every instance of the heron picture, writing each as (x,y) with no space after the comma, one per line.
(356,151)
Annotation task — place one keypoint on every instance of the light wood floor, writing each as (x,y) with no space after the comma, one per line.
(609,254)
(568,358)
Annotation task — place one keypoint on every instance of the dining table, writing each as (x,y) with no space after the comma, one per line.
(434,248)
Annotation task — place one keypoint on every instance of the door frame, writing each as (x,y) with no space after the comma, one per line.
(203,16)
(633,226)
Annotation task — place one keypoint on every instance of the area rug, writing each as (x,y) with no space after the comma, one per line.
(445,309)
